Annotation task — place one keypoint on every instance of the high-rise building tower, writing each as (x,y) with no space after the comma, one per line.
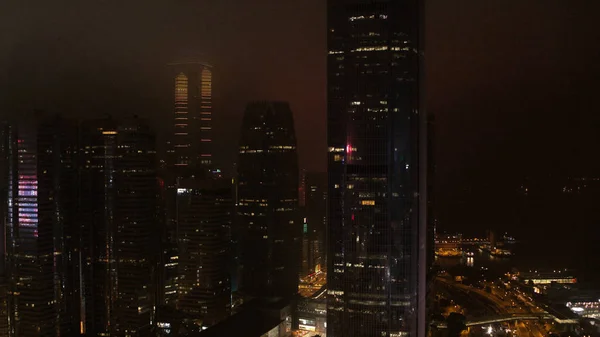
(316,219)
(189,142)
(4,316)
(41,226)
(119,190)
(270,228)
(189,146)
(377,165)
(431,213)
(302,188)
(204,214)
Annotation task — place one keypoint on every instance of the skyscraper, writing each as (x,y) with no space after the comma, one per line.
(189,146)
(41,226)
(268,201)
(204,213)
(431,215)
(189,142)
(316,218)
(376,164)
(118,205)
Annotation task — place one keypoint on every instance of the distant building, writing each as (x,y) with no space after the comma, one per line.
(431,173)
(204,213)
(269,223)
(4,317)
(302,189)
(316,220)
(546,277)
(265,317)
(189,146)
(312,315)
(41,226)
(119,190)
(190,141)
(167,271)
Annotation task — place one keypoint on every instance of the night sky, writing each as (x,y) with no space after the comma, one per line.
(514,84)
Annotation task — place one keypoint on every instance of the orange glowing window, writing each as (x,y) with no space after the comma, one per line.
(181,88)
(206,89)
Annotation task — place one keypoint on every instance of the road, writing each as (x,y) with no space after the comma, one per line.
(506,302)
(310,284)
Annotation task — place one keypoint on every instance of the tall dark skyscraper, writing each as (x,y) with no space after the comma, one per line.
(431,168)
(190,142)
(268,201)
(377,161)
(316,219)
(119,191)
(41,214)
(204,213)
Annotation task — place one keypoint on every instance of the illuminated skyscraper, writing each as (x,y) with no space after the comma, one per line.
(189,145)
(377,170)
(119,193)
(190,142)
(204,214)
(270,230)
(41,226)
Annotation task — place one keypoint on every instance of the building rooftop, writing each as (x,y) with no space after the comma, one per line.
(250,323)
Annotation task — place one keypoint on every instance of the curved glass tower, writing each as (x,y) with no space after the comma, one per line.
(376,137)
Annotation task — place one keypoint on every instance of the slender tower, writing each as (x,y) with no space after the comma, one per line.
(270,230)
(190,142)
(377,169)
(189,147)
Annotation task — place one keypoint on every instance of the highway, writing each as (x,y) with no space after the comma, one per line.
(508,304)
(311,284)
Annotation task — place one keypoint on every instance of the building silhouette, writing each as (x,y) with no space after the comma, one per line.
(316,220)
(204,213)
(431,209)
(41,226)
(268,219)
(118,206)
(376,165)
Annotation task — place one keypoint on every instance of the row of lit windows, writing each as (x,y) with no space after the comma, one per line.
(372,16)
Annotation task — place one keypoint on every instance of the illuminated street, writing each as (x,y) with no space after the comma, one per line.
(506,304)
(311,284)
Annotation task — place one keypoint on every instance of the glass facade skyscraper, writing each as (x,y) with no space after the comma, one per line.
(118,191)
(41,227)
(376,163)
(204,213)
(269,225)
